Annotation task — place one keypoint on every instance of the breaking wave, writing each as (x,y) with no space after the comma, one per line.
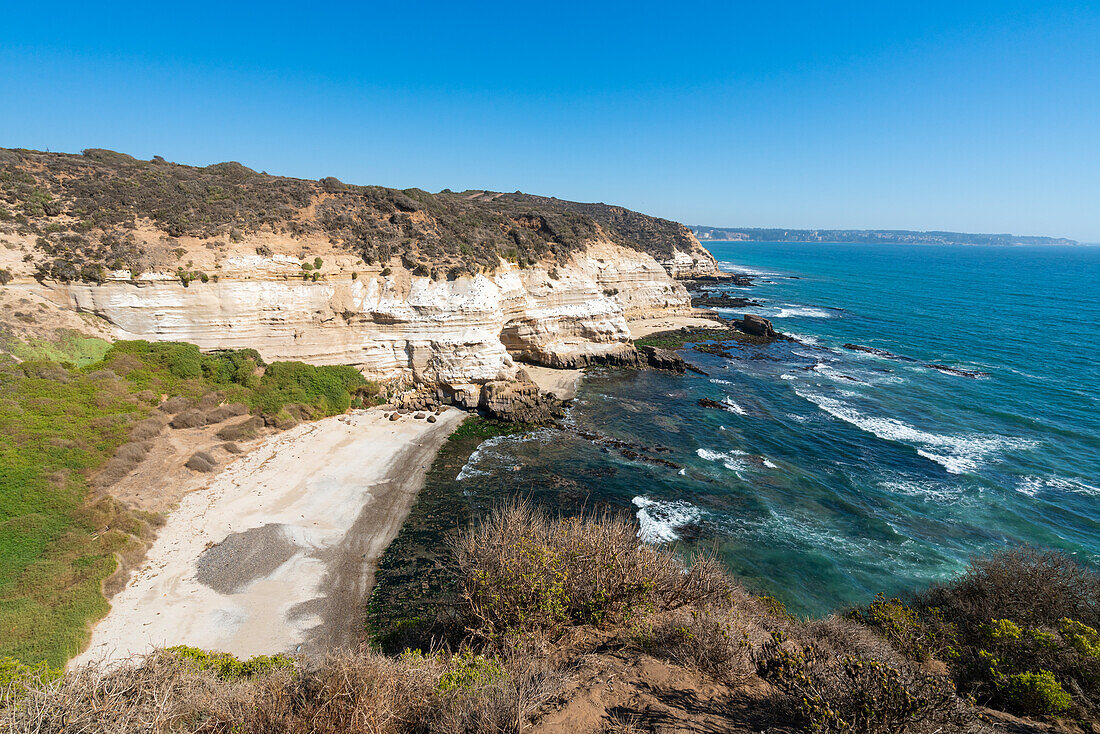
(659,521)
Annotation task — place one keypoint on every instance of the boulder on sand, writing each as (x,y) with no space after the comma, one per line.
(522,402)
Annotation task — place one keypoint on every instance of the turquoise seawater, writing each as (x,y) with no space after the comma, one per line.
(834,474)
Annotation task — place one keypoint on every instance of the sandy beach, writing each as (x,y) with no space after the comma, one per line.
(645,327)
(277,552)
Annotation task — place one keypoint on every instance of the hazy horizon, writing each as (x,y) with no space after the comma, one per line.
(978,119)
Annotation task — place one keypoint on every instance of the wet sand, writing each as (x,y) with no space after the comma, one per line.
(277,553)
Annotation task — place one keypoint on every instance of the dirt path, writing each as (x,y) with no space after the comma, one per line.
(277,553)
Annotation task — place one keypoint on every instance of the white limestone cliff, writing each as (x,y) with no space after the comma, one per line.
(457,334)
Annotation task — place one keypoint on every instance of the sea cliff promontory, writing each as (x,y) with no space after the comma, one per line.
(447,289)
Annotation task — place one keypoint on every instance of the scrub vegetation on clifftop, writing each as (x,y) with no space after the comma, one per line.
(61,426)
(84,211)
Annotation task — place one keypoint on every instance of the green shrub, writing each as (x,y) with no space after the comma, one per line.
(846,691)
(16,677)
(226,666)
(920,636)
(1025,622)
(467,671)
(1035,693)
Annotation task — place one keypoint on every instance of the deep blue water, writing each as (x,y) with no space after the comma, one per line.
(836,474)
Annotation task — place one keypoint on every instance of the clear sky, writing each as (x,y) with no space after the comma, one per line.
(972,116)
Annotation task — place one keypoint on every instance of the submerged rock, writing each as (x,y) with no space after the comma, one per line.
(973,374)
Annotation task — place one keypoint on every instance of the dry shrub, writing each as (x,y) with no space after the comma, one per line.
(147,429)
(353,693)
(122,463)
(225,412)
(243,430)
(1028,586)
(834,677)
(522,571)
(209,401)
(201,462)
(175,405)
(718,641)
(192,418)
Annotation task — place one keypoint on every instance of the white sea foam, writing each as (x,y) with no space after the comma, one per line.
(733,406)
(475,466)
(812,341)
(768,463)
(469,469)
(788,377)
(658,521)
(1032,486)
(718,381)
(727,266)
(730,459)
(958,454)
(928,490)
(792,311)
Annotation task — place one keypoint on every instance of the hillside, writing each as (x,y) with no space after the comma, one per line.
(870,236)
(89,212)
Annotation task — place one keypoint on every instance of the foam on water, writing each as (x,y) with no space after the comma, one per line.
(927,490)
(658,521)
(734,407)
(792,311)
(958,454)
(731,267)
(730,459)
(1032,486)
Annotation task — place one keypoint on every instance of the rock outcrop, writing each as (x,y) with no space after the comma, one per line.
(447,290)
(756,326)
(522,402)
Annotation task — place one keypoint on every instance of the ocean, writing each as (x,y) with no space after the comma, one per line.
(832,474)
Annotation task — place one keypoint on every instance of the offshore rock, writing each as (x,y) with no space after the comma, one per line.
(663,359)
(521,402)
(757,326)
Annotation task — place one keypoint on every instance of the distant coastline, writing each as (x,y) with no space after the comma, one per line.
(862,236)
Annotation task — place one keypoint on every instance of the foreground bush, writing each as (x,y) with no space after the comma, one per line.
(523,572)
(855,688)
(1018,632)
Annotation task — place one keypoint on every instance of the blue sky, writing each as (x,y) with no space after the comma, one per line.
(974,116)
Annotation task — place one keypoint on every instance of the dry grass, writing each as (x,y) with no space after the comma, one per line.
(356,693)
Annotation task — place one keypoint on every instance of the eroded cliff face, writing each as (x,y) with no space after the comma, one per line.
(458,334)
(692,263)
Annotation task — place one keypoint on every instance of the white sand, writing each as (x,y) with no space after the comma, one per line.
(562,383)
(645,327)
(340,488)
